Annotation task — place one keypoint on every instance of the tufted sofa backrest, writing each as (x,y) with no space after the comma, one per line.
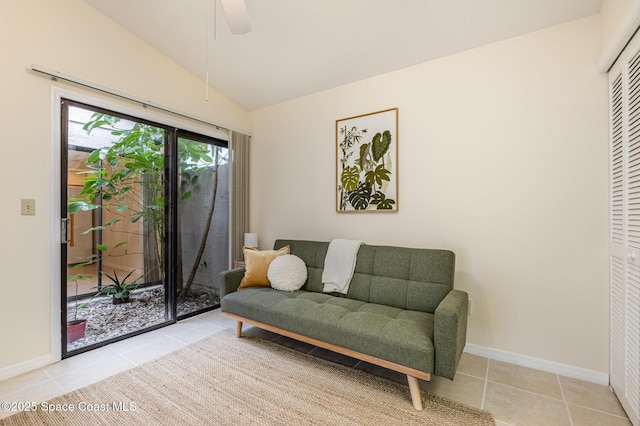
(406,278)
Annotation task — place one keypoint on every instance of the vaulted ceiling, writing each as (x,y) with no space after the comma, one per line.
(299,47)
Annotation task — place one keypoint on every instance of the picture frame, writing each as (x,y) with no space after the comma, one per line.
(367,162)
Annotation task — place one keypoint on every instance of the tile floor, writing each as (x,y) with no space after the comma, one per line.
(514,395)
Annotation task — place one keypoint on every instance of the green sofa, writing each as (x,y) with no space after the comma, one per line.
(401,311)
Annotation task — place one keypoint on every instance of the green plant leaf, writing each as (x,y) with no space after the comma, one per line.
(101,227)
(377,176)
(349,178)
(386,204)
(361,196)
(94,157)
(380,145)
(102,247)
(77,206)
(91,259)
(79,277)
(93,124)
(381,201)
(364,152)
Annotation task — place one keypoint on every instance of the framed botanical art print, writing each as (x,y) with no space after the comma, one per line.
(367,162)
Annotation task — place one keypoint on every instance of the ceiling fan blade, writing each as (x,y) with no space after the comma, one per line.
(237,16)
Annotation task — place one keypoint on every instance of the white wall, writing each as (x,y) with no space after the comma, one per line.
(70,37)
(503,158)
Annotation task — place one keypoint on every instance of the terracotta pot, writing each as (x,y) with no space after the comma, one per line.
(76,330)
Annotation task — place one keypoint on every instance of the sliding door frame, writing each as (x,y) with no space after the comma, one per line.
(170,194)
(122,108)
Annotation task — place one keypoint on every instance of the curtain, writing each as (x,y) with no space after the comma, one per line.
(238,194)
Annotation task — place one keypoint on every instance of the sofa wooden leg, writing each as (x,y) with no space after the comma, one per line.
(414,388)
(239,329)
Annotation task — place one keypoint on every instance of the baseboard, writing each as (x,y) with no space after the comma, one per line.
(540,364)
(24,367)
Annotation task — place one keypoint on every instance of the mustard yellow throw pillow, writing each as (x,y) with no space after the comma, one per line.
(257,266)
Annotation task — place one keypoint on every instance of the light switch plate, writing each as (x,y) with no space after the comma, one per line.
(28,207)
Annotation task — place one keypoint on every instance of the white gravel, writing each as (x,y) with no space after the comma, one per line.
(146,308)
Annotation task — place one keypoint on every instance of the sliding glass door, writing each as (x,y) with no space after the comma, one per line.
(203,221)
(145,214)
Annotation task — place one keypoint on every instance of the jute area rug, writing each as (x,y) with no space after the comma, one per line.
(223,380)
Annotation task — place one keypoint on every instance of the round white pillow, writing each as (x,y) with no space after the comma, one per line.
(287,272)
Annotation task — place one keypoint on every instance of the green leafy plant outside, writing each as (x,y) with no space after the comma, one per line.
(127,180)
(119,289)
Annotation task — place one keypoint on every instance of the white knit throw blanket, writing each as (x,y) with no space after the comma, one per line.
(339,265)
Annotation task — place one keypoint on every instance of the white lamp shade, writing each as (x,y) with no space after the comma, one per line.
(251,240)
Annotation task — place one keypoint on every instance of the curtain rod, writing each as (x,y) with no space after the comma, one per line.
(55,75)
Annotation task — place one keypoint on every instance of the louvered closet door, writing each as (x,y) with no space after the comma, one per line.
(624,97)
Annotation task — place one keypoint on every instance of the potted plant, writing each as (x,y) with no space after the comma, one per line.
(76,328)
(119,290)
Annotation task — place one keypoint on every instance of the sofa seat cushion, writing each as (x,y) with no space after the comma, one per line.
(392,334)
